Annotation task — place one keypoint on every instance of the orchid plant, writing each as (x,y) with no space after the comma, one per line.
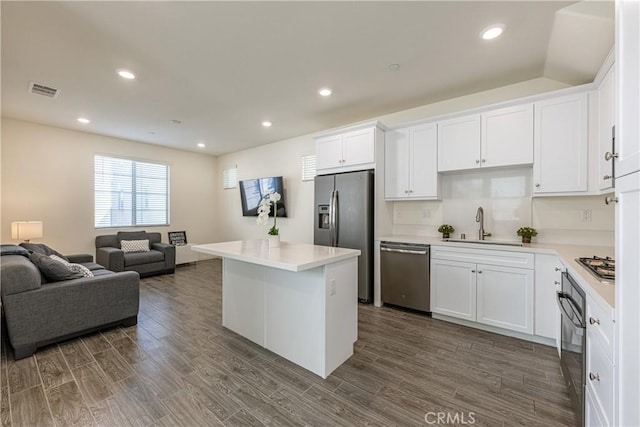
(265,208)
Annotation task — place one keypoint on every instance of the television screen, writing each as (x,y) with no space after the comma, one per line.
(253,190)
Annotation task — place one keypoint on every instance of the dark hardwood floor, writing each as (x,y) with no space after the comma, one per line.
(180,367)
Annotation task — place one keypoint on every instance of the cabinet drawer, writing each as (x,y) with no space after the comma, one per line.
(599,379)
(484,256)
(600,326)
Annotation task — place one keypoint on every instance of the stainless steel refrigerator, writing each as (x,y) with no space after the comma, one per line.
(344,218)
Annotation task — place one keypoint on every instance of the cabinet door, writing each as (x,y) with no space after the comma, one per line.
(548,276)
(507,136)
(358,147)
(396,161)
(329,152)
(560,145)
(592,415)
(628,86)
(627,299)
(606,120)
(505,297)
(453,288)
(459,143)
(423,162)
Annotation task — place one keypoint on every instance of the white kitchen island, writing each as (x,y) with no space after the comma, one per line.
(299,300)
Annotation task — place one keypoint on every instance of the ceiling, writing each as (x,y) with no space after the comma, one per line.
(222,68)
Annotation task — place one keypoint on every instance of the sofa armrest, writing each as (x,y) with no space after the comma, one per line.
(111,258)
(61,308)
(169,252)
(80,258)
(18,275)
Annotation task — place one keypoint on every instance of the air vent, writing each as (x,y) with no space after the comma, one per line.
(43,90)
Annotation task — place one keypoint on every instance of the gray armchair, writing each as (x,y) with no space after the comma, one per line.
(159,259)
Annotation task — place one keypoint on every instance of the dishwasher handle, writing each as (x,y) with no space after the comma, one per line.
(404,251)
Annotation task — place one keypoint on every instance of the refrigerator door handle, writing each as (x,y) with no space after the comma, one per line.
(336,223)
(331,218)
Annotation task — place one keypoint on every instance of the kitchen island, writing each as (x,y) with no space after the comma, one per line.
(298,300)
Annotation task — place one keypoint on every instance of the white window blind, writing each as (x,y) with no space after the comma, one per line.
(308,167)
(230,178)
(130,193)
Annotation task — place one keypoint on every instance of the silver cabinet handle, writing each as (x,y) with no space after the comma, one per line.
(479,271)
(609,155)
(558,269)
(473,271)
(594,321)
(537,185)
(608,200)
(606,177)
(555,282)
(477,162)
(484,160)
(594,377)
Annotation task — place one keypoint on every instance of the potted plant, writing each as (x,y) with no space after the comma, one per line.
(263,217)
(446,229)
(526,233)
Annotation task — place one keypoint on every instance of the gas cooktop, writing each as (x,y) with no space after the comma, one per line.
(604,269)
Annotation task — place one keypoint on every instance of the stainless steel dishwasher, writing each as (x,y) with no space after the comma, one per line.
(404,275)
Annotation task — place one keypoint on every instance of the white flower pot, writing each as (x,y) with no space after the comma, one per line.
(274,241)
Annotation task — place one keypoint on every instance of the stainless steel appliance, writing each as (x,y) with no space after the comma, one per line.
(344,218)
(604,269)
(404,275)
(571,301)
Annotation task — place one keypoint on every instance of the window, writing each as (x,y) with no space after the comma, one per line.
(230,178)
(130,193)
(308,167)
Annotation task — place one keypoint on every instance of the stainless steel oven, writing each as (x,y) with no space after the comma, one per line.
(571,301)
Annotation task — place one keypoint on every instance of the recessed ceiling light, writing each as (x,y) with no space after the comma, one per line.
(266,124)
(84,120)
(492,31)
(325,91)
(126,74)
(201,144)
(394,67)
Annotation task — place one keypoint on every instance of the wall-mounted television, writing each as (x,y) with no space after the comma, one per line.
(253,190)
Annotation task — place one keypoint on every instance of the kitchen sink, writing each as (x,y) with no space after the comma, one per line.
(484,242)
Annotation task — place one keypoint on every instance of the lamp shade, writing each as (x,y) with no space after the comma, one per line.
(26,230)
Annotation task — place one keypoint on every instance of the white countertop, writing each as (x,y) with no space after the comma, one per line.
(289,256)
(603,293)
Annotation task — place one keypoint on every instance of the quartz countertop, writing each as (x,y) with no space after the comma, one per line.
(289,256)
(601,292)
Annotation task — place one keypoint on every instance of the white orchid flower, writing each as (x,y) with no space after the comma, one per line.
(274,197)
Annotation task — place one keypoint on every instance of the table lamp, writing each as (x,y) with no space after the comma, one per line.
(26,230)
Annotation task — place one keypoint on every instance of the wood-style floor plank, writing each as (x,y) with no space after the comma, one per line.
(179,367)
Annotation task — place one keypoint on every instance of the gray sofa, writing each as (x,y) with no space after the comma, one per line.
(160,259)
(39,312)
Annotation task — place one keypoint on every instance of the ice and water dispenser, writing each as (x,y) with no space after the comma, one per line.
(323,216)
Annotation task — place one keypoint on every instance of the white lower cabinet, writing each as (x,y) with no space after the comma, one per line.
(453,288)
(494,292)
(505,297)
(548,278)
(593,416)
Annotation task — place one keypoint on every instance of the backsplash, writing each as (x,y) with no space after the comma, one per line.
(505,196)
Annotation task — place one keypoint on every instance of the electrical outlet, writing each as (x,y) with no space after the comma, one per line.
(332,287)
(585,214)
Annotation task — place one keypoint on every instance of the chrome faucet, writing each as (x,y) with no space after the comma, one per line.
(480,219)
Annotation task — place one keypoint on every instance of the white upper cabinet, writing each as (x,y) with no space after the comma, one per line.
(561,145)
(627,144)
(507,136)
(606,121)
(459,143)
(502,137)
(353,149)
(411,169)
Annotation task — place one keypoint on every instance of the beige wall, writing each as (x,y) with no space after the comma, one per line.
(47,174)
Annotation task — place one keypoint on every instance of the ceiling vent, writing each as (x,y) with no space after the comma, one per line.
(39,89)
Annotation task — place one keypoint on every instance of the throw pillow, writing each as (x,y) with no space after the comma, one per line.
(134,245)
(13,250)
(53,270)
(43,249)
(74,267)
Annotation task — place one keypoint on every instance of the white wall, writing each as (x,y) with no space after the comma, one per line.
(47,174)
